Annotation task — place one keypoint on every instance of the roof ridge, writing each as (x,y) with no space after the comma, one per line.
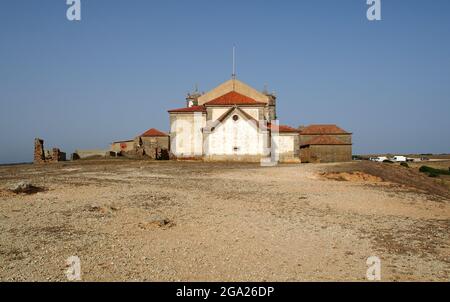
(233,98)
(324,140)
(323,129)
(153,132)
(188,109)
(219,121)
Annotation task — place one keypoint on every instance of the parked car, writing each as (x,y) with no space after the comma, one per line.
(399,159)
(380,159)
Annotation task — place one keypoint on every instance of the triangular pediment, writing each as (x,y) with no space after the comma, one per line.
(233,85)
(213,125)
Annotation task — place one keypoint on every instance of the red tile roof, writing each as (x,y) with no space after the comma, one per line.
(233,98)
(154,133)
(283,129)
(189,109)
(323,129)
(324,140)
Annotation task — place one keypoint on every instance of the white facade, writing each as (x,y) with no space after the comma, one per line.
(236,135)
(186,134)
(229,123)
(284,143)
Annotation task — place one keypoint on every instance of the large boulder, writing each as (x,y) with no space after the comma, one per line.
(24,187)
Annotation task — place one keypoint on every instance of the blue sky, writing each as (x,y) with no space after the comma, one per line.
(115,73)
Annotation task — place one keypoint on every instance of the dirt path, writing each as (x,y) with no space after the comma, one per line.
(222,223)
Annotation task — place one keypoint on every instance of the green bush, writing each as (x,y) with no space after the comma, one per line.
(404,165)
(437,172)
(433,175)
(388,161)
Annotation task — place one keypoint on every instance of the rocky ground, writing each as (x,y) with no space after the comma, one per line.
(170,221)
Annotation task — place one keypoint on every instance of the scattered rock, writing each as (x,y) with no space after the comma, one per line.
(93,208)
(157,222)
(24,187)
(101,209)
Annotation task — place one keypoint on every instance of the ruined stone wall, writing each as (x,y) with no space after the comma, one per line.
(39,156)
(155,147)
(57,155)
(46,156)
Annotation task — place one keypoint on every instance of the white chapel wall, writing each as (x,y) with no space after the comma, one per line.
(186,134)
(235,134)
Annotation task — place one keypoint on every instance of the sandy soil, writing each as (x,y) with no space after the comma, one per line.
(169,221)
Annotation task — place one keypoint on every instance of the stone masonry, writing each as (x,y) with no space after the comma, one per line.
(46,156)
(39,156)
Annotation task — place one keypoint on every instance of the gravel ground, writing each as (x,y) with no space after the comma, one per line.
(173,221)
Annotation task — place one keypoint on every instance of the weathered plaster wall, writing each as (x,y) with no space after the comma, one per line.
(239,137)
(117,147)
(186,134)
(287,146)
(253,112)
(217,112)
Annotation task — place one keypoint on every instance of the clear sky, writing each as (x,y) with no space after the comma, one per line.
(115,73)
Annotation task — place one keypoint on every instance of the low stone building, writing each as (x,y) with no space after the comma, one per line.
(287,143)
(325,144)
(123,146)
(153,143)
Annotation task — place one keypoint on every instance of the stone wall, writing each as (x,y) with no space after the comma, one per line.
(39,156)
(154,147)
(345,138)
(57,155)
(46,156)
(82,154)
(326,153)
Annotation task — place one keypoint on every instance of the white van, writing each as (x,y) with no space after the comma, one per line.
(399,159)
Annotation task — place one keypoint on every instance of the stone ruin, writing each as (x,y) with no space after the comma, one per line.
(39,155)
(42,156)
(153,147)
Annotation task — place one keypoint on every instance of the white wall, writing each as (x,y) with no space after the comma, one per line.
(230,134)
(284,143)
(186,134)
(218,112)
(253,112)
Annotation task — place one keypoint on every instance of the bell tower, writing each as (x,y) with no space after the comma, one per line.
(192,97)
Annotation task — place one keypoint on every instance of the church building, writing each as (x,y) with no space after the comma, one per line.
(232,122)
